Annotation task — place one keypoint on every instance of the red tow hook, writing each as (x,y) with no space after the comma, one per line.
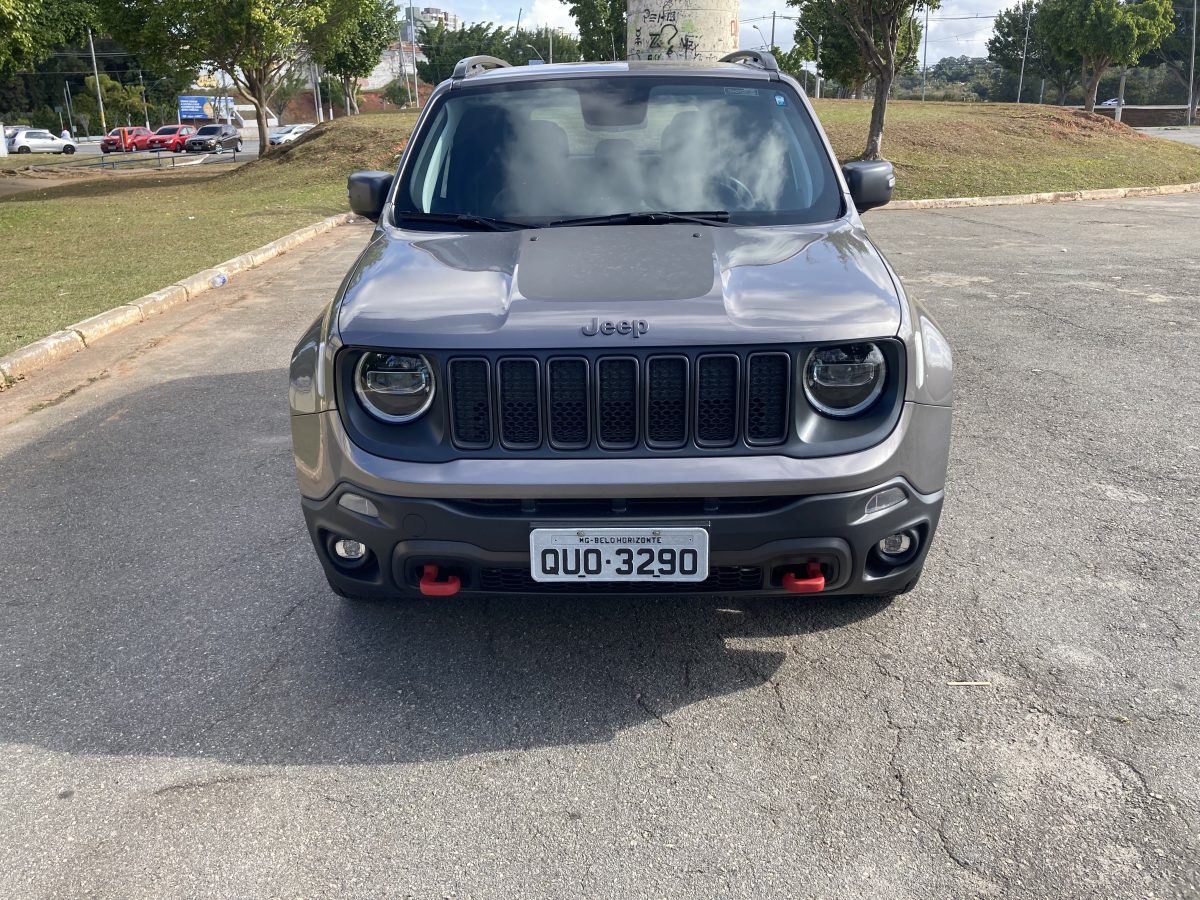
(813,584)
(431,587)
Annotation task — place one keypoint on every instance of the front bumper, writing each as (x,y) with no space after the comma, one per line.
(753,542)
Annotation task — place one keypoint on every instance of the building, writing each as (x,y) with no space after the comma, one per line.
(427,16)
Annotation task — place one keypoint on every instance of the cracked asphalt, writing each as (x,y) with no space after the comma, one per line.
(186,711)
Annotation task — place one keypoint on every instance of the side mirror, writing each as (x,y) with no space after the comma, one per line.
(368,193)
(870,183)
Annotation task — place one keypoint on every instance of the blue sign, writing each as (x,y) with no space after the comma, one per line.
(201,107)
(195,108)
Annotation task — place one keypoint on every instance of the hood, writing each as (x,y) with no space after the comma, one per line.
(676,284)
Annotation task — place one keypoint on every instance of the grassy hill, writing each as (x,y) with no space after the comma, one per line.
(978,149)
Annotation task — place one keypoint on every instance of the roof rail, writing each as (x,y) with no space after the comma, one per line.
(473,64)
(760,58)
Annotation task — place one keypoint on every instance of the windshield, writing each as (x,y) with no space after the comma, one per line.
(545,151)
(167,129)
(209,129)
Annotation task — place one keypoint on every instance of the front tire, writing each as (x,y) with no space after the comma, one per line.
(69,151)
(237,148)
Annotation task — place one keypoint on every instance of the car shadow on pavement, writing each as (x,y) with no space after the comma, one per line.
(163,599)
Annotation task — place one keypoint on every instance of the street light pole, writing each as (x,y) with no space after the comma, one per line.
(145,111)
(772,29)
(1191,113)
(1024,52)
(96,75)
(925,54)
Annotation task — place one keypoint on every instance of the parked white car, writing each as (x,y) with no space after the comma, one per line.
(37,140)
(289,133)
(1114,101)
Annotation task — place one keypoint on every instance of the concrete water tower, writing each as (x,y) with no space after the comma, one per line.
(682,29)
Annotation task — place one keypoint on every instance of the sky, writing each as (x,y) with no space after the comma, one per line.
(950,33)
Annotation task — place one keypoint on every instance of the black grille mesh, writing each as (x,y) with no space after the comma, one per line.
(716,400)
(666,401)
(469,406)
(660,402)
(519,425)
(617,403)
(767,398)
(568,385)
(721,579)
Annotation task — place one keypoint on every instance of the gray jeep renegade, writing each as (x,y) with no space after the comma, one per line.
(619,329)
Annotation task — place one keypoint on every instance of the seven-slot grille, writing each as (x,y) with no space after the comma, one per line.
(661,402)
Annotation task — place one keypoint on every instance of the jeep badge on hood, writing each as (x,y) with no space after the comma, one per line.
(635,327)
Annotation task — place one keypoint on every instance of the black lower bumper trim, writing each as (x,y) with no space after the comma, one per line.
(750,550)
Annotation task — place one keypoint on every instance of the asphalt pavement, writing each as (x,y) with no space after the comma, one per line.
(186,711)
(1183,135)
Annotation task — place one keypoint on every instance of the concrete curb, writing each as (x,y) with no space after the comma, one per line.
(79,336)
(1050,197)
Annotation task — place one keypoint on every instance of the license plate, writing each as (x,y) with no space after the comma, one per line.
(618,554)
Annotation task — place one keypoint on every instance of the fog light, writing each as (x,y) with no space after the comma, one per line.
(348,549)
(895,544)
(355,503)
(885,499)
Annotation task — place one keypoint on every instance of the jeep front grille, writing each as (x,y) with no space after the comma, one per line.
(616,402)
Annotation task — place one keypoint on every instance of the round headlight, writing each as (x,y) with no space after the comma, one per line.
(394,387)
(845,380)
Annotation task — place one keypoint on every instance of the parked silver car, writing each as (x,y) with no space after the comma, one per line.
(619,329)
(288,133)
(39,140)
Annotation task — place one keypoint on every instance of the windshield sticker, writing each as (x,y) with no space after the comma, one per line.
(780,100)
(742,91)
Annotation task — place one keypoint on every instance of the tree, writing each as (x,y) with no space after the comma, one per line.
(841,59)
(254,41)
(884,32)
(31,29)
(601,25)
(1007,43)
(1103,33)
(1176,53)
(444,47)
(351,40)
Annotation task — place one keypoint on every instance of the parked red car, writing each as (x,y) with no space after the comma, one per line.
(170,137)
(125,139)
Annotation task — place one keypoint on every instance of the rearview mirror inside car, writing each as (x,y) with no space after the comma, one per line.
(368,193)
(870,183)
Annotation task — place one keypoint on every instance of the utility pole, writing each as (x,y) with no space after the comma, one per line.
(1024,52)
(145,111)
(1191,113)
(925,54)
(1120,95)
(412,29)
(316,74)
(70,106)
(96,75)
(551,30)
(772,30)
(820,37)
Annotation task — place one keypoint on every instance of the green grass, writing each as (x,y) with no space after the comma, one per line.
(968,149)
(78,249)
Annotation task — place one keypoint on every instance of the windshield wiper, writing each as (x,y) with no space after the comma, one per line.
(465,220)
(707,217)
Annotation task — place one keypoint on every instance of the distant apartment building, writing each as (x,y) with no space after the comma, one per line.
(428,16)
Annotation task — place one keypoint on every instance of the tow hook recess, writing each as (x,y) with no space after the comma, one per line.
(431,587)
(813,584)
